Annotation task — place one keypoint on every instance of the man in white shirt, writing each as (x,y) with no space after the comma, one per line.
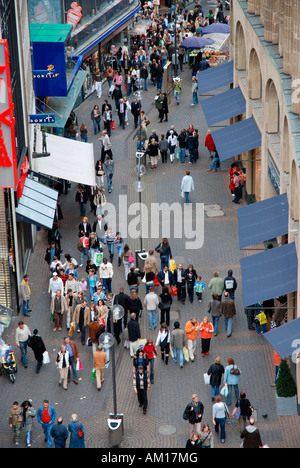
(106,272)
(151,302)
(55,283)
(22,336)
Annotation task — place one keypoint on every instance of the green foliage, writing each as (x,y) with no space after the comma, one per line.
(286,385)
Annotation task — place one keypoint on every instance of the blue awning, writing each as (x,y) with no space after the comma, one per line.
(269,274)
(285,339)
(215,77)
(37,204)
(237,138)
(224,106)
(263,220)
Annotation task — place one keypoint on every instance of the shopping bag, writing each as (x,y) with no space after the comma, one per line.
(186,354)
(113,127)
(224,391)
(46,358)
(173,291)
(78,365)
(156,282)
(206,378)
(94,374)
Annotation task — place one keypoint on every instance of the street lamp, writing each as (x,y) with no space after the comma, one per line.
(115,421)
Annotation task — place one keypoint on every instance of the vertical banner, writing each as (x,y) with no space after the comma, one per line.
(8,157)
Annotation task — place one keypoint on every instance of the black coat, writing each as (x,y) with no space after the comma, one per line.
(193,414)
(37,345)
(133,330)
(215,371)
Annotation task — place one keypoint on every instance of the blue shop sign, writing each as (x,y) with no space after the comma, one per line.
(41,118)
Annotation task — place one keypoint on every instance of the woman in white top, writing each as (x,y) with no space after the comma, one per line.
(219,414)
(172,140)
(63,365)
(163,340)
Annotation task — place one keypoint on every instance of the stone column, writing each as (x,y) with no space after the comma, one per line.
(287,36)
(295,61)
(275,21)
(268,19)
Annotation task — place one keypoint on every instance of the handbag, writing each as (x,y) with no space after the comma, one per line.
(80,247)
(235,371)
(78,365)
(46,358)
(80,433)
(131,258)
(113,127)
(156,282)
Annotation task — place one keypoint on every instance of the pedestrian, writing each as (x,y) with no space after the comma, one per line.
(163,148)
(148,277)
(58,307)
(187,185)
(25,294)
(210,144)
(179,280)
(215,162)
(77,431)
(81,316)
(98,83)
(63,364)
(228,311)
(117,95)
(127,258)
(231,379)
(29,413)
(165,278)
(141,385)
(191,330)
(191,144)
(135,110)
(51,252)
(119,243)
(71,347)
(106,272)
(152,151)
(177,89)
(194,414)
(100,227)
(199,288)
(216,285)
(121,112)
(163,340)
(15,421)
(92,282)
(215,371)
(46,416)
(81,198)
(106,146)
(242,410)
(110,77)
(107,120)
(38,347)
(141,135)
(182,141)
(206,330)
(139,359)
(164,305)
(191,277)
(219,414)
(230,284)
(178,342)
(165,107)
(22,337)
(99,202)
(207,437)
(149,352)
(237,187)
(109,166)
(83,133)
(159,99)
(214,308)
(59,434)
(172,141)
(165,253)
(134,332)
(100,359)
(251,436)
(135,304)
(194,90)
(260,319)
(194,442)
(151,302)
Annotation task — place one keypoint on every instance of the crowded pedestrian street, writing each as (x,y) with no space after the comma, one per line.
(178,203)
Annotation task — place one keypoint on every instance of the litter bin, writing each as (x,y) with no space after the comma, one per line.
(140,258)
(115,430)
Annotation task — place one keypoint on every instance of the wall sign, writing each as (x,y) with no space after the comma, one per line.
(8,157)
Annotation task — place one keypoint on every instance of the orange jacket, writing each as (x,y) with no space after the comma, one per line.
(191,330)
(276,358)
(206,334)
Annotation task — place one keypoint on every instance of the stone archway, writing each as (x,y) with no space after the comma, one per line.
(255,79)
(240,48)
(272,108)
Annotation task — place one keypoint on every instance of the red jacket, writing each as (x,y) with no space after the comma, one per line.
(209,142)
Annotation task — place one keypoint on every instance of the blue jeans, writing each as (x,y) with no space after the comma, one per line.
(159,83)
(119,249)
(177,96)
(149,285)
(186,194)
(178,352)
(23,349)
(106,285)
(82,207)
(236,391)
(213,166)
(152,316)
(145,83)
(182,154)
(84,138)
(82,254)
(215,324)
(73,366)
(164,261)
(195,97)
(214,390)
(228,325)
(47,429)
(221,422)
(131,288)
(25,307)
(109,181)
(97,127)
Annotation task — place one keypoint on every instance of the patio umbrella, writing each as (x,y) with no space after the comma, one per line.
(196,42)
(216,28)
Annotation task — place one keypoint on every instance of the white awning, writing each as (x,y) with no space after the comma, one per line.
(69,159)
(221,41)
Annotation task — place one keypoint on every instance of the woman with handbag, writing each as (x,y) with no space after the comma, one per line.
(163,340)
(219,415)
(231,379)
(128,259)
(194,413)
(148,277)
(215,371)
(76,430)
(164,251)
(164,305)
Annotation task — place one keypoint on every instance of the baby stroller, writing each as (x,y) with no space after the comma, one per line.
(8,363)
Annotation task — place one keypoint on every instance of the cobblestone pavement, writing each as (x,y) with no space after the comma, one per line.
(163,426)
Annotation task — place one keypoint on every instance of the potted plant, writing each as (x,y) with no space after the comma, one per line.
(286,391)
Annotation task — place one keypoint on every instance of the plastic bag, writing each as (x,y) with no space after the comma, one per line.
(206,378)
(224,391)
(46,358)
